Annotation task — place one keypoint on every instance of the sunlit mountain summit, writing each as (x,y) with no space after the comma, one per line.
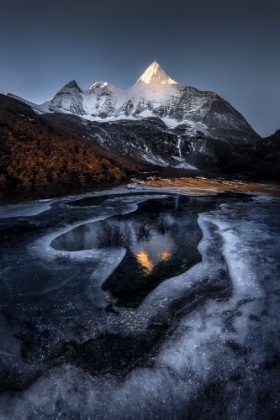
(154,74)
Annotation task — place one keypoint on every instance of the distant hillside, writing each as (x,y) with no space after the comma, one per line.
(260,162)
(40,159)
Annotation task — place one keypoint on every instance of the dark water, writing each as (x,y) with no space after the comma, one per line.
(160,238)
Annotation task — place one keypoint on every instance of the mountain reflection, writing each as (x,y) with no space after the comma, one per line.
(144,260)
(160,248)
(160,238)
(148,262)
(165,256)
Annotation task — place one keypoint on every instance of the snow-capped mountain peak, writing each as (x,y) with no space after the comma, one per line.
(154,74)
(98,85)
(70,88)
(154,94)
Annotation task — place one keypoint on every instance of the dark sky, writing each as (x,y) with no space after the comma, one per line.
(231,47)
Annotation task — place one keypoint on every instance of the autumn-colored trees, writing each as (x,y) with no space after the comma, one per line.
(37,157)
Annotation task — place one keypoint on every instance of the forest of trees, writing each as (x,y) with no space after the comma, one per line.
(38,159)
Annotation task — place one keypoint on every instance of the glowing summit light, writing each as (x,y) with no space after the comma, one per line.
(154,74)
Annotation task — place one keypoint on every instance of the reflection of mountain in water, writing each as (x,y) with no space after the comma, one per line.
(148,264)
(159,248)
(161,239)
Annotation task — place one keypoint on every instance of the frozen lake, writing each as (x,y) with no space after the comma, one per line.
(134,306)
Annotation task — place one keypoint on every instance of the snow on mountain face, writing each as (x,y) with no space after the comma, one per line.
(99,100)
(155,94)
(68,99)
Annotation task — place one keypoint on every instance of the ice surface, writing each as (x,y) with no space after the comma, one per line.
(219,357)
(22,210)
(42,246)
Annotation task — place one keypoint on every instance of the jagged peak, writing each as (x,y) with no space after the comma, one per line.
(98,85)
(72,84)
(68,87)
(156,75)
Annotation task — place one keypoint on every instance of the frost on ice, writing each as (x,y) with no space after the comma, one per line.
(213,335)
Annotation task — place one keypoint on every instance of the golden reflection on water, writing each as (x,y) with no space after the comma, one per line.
(148,262)
(165,256)
(144,260)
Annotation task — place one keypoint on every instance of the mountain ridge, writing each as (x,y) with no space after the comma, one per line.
(154,94)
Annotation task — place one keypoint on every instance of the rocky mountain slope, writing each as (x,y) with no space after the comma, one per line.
(264,157)
(151,143)
(146,142)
